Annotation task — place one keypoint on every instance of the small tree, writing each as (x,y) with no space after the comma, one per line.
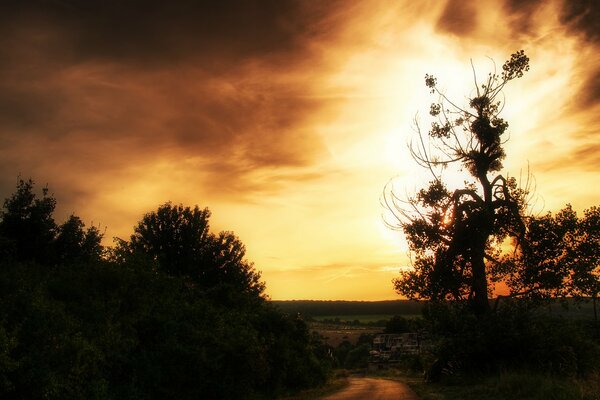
(455,236)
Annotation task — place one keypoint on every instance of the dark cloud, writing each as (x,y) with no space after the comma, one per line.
(151,32)
(235,119)
(24,107)
(582,16)
(90,88)
(521,14)
(459,18)
(590,91)
(465,18)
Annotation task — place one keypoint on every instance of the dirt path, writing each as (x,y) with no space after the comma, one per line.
(373,389)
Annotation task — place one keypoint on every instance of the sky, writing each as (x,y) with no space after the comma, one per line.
(286,118)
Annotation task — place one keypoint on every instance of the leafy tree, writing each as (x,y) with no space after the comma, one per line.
(73,243)
(560,256)
(455,235)
(28,231)
(178,241)
(27,224)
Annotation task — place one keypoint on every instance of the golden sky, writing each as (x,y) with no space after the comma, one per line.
(286,118)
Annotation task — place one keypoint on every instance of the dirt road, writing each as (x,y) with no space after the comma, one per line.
(373,389)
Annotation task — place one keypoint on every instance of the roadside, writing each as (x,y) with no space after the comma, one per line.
(502,386)
(521,385)
(508,386)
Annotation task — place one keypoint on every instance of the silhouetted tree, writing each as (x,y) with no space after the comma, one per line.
(585,265)
(27,224)
(73,243)
(560,256)
(455,235)
(178,241)
(28,231)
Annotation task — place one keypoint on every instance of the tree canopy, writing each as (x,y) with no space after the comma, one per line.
(177,241)
(28,231)
(560,257)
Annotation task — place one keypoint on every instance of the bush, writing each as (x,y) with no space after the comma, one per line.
(514,337)
(102,331)
(358,357)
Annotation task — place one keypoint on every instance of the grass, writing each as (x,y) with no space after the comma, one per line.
(509,386)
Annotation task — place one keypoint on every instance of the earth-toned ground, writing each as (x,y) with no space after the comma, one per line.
(373,389)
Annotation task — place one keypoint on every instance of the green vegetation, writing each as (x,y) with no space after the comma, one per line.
(176,312)
(510,386)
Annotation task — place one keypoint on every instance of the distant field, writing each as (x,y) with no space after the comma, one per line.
(372,311)
(334,334)
(363,318)
(346,309)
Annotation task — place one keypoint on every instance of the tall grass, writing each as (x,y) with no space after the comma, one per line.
(512,386)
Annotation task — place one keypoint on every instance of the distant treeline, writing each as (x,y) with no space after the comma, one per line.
(570,308)
(315,308)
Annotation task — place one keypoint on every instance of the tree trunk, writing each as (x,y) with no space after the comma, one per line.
(594,297)
(480,303)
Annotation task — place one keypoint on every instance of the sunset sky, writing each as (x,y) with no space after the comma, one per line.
(285,118)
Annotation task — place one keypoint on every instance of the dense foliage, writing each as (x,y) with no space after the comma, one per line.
(130,325)
(560,257)
(28,231)
(517,337)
